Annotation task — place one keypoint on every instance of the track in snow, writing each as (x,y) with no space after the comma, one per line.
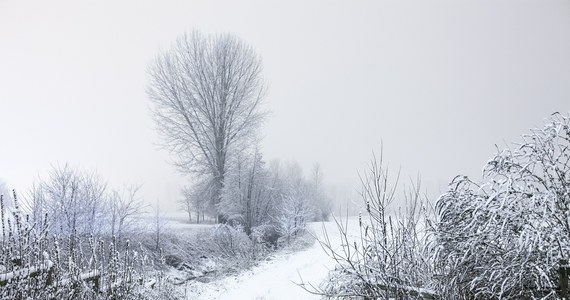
(275,279)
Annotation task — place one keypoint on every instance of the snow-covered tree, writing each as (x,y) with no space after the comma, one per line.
(322,202)
(74,201)
(197,198)
(206,93)
(186,202)
(251,193)
(297,206)
(503,238)
(294,213)
(122,209)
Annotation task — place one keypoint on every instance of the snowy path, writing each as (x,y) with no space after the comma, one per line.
(275,279)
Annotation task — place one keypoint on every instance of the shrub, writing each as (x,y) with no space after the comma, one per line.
(503,238)
(388,255)
(232,241)
(35,265)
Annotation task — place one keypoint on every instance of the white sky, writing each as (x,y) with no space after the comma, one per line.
(439,82)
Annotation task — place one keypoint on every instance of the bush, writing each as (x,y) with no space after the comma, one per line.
(388,255)
(266,235)
(503,238)
(232,241)
(35,265)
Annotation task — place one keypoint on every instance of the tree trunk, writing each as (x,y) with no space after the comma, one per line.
(217,197)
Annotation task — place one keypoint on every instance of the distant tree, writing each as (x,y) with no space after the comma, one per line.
(296,207)
(195,198)
(186,201)
(123,207)
(503,238)
(158,226)
(323,204)
(207,92)
(294,213)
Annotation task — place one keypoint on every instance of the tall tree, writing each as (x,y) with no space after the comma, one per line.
(206,92)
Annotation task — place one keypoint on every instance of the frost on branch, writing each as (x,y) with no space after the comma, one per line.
(504,238)
(388,254)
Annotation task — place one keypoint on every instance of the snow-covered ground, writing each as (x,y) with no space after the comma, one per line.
(276,278)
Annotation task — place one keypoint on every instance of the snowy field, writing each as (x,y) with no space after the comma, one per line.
(276,278)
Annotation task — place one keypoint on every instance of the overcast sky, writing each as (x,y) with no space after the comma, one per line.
(439,82)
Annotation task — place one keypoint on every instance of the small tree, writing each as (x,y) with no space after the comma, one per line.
(197,198)
(323,203)
(123,207)
(186,202)
(250,194)
(75,201)
(293,215)
(158,226)
(297,205)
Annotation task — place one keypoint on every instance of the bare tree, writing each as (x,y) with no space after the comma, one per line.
(322,202)
(186,201)
(123,207)
(206,92)
(195,199)
(74,201)
(250,193)
(296,207)
(158,225)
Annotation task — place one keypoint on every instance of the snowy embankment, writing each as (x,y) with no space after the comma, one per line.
(276,278)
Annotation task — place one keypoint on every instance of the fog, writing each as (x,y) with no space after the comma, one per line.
(435,84)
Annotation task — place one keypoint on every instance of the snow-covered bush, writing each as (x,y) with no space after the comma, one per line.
(388,255)
(75,201)
(294,213)
(503,238)
(36,264)
(232,241)
(267,235)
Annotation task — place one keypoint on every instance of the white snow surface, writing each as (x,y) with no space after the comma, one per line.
(277,277)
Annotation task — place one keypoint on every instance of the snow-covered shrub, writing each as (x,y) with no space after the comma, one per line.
(294,213)
(267,235)
(388,255)
(75,201)
(503,238)
(232,241)
(34,264)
